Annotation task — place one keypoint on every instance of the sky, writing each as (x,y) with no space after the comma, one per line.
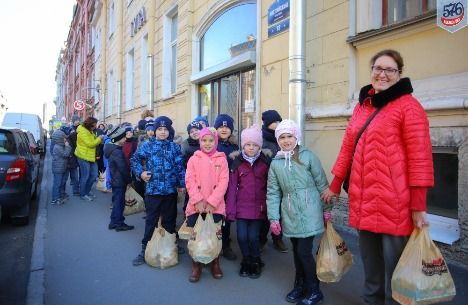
(32,32)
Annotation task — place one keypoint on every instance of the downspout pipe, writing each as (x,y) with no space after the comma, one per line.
(297,80)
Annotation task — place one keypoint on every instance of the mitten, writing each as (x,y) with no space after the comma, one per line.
(275,227)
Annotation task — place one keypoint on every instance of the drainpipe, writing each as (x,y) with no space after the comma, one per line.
(297,81)
(120,55)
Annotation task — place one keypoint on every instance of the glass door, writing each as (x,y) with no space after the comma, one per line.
(234,95)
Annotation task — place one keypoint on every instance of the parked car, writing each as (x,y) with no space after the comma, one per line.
(30,122)
(18,175)
(33,148)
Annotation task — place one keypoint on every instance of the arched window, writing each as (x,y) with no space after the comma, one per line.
(231,33)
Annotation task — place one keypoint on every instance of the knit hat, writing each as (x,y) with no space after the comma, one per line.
(253,134)
(75,118)
(224,120)
(209,131)
(162,121)
(117,133)
(194,124)
(149,125)
(201,118)
(66,129)
(141,124)
(270,116)
(288,126)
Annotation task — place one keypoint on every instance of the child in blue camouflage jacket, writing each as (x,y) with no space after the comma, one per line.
(164,174)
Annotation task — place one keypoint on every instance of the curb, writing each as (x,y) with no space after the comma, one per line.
(36,289)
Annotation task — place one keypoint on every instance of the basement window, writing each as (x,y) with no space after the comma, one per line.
(442,199)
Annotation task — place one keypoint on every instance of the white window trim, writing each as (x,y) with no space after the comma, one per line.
(167,52)
(144,70)
(111,19)
(129,79)
(110,94)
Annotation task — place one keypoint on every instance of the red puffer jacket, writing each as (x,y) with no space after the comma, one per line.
(393,154)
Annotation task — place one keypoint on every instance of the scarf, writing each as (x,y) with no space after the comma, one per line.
(251,160)
(268,134)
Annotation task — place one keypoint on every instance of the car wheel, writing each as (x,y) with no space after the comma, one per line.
(20,221)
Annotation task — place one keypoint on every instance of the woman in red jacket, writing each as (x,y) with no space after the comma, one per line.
(390,172)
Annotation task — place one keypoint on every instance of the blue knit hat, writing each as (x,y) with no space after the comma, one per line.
(194,124)
(162,121)
(149,125)
(201,118)
(224,120)
(75,117)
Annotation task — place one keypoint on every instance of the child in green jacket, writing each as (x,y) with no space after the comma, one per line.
(295,181)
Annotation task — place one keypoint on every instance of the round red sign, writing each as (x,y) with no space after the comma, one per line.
(78,105)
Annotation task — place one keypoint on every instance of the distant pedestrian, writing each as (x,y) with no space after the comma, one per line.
(86,153)
(224,125)
(159,163)
(295,181)
(271,119)
(202,120)
(207,181)
(60,156)
(149,133)
(246,198)
(120,178)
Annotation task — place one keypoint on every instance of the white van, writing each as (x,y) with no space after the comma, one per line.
(28,121)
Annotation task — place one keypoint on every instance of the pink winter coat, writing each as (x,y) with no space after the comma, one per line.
(207,179)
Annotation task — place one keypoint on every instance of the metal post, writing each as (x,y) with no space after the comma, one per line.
(297,81)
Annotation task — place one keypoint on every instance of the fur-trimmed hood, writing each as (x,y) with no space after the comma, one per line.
(402,87)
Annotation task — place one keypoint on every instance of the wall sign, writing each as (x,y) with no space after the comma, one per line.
(278,17)
(451,14)
(138,22)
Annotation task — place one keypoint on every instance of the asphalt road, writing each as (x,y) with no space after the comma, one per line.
(15,255)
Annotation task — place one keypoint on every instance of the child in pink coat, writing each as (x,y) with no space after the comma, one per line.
(206,179)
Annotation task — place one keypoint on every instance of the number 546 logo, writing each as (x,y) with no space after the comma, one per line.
(451,14)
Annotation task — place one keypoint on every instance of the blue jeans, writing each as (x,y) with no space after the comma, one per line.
(58,186)
(118,202)
(88,174)
(73,172)
(248,236)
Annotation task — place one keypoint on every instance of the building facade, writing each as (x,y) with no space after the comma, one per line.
(183,58)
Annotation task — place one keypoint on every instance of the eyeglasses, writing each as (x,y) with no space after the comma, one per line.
(388,71)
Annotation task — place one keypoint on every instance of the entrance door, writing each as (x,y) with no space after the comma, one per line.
(233,95)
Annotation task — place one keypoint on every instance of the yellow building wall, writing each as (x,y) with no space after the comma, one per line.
(428,52)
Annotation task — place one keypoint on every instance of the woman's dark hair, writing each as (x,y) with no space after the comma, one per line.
(395,55)
(89,122)
(103,125)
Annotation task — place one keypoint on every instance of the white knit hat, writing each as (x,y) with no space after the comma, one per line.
(288,126)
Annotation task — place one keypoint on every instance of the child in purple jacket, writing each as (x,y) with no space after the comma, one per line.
(246,198)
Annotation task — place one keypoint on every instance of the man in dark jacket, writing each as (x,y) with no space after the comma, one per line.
(271,119)
(120,178)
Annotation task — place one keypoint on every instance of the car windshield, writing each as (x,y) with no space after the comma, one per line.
(7,143)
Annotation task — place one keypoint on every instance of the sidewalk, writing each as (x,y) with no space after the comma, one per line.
(85,263)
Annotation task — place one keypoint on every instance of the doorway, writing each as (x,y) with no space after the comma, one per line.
(233,94)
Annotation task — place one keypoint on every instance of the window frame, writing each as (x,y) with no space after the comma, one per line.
(169,77)
(129,79)
(385,7)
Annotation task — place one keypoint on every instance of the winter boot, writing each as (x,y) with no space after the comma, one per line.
(313,297)
(216,269)
(196,272)
(297,293)
(245,267)
(140,259)
(255,268)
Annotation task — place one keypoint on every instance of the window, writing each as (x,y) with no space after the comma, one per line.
(129,80)
(144,70)
(110,93)
(169,83)
(97,42)
(111,19)
(220,42)
(77,63)
(394,11)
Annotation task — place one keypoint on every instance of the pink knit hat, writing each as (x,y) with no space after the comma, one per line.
(209,131)
(252,134)
(288,126)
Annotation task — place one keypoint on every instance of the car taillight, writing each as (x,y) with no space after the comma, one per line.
(16,171)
